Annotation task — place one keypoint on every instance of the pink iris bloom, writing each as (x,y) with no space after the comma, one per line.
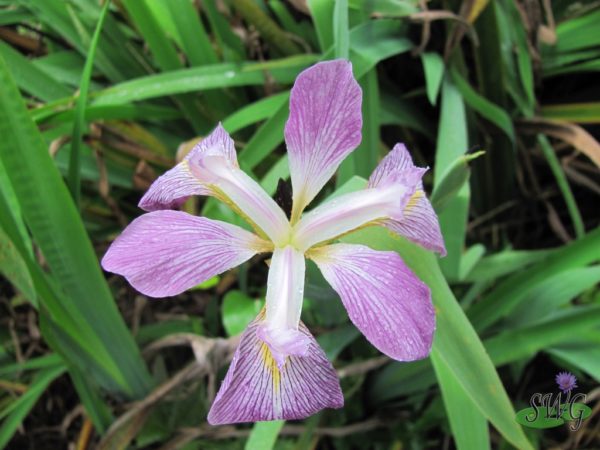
(279,371)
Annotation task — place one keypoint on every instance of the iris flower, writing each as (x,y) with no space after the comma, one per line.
(279,371)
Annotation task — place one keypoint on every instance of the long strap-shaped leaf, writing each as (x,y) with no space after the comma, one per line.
(59,232)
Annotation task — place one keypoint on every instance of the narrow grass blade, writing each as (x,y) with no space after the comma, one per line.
(30,78)
(231,46)
(563,184)
(525,342)
(510,292)
(255,112)
(487,109)
(14,269)
(203,78)
(267,27)
(16,412)
(194,38)
(573,112)
(74,178)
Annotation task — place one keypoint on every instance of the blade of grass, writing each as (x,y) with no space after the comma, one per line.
(267,27)
(18,410)
(563,184)
(525,342)
(194,39)
(487,109)
(573,112)
(14,269)
(203,78)
(513,290)
(74,176)
(164,53)
(32,79)
(230,44)
(553,293)
(255,112)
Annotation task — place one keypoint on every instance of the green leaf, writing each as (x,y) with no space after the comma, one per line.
(154,35)
(14,268)
(385,8)
(563,184)
(585,356)
(433,66)
(16,412)
(451,144)
(194,38)
(469,426)
(504,263)
(483,106)
(264,435)
(87,304)
(333,342)
(510,292)
(203,78)
(74,178)
(525,342)
(573,112)
(452,181)
(363,160)
(341,36)
(578,33)
(238,310)
(40,362)
(255,112)
(231,46)
(30,78)
(211,282)
(322,11)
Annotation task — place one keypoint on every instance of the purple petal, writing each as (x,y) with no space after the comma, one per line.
(384,299)
(163,253)
(417,221)
(256,389)
(172,188)
(324,126)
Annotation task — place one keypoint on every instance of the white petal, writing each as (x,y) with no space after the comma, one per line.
(285,292)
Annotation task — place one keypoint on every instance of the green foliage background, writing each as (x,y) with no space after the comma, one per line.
(95,101)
